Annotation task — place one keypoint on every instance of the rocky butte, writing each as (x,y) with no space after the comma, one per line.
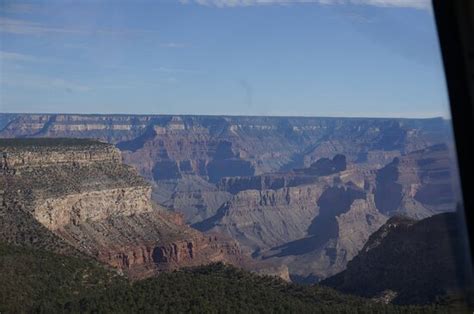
(74,196)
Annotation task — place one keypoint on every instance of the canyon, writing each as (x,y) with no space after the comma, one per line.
(75,197)
(300,193)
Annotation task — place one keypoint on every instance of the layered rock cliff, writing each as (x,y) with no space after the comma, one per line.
(302,193)
(316,219)
(261,219)
(79,195)
(419,184)
(185,156)
(408,261)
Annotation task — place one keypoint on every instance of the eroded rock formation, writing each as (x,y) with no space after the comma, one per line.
(412,261)
(315,221)
(79,192)
(185,156)
(303,193)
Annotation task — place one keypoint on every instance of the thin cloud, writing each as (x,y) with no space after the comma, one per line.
(17,57)
(171,80)
(18,8)
(172,45)
(69,86)
(42,82)
(415,4)
(24,27)
(174,70)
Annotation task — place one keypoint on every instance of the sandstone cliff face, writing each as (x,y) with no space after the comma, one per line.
(41,154)
(178,153)
(85,197)
(261,219)
(346,218)
(315,220)
(55,213)
(74,126)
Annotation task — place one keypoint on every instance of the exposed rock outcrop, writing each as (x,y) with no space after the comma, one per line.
(409,261)
(184,156)
(325,166)
(79,194)
(316,219)
(261,219)
(267,181)
(418,184)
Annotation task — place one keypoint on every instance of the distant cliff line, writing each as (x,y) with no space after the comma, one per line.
(224,115)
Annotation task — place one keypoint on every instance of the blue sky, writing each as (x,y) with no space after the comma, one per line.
(237,57)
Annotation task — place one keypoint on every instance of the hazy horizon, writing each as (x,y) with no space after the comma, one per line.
(222,115)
